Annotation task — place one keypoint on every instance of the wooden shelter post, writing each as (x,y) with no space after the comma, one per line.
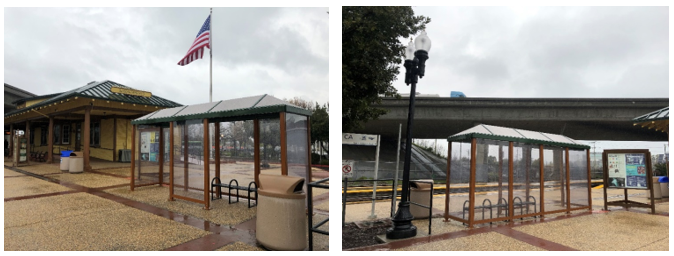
(171,159)
(471,210)
(256,141)
(207,164)
(161,156)
(11,140)
(216,141)
(511,206)
(589,180)
(541,163)
(284,145)
(568,182)
(186,161)
(449,168)
(133,156)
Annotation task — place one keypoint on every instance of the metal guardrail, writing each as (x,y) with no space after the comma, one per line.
(310,206)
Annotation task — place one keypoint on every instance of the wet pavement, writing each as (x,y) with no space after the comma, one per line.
(619,229)
(50,210)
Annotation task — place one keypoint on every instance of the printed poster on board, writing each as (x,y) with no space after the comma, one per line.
(627,171)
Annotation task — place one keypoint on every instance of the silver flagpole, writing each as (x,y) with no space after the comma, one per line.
(210,45)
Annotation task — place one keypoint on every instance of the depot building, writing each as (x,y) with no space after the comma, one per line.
(94,119)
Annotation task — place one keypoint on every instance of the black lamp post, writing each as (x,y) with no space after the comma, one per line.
(415,66)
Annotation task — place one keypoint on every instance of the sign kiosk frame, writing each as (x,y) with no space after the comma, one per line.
(632,164)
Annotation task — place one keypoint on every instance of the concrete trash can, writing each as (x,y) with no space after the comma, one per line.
(281,217)
(657,194)
(65,157)
(664,186)
(76,164)
(420,193)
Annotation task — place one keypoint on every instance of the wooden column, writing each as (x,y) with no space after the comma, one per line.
(87,137)
(256,141)
(161,156)
(133,154)
(114,139)
(511,207)
(309,174)
(50,141)
(207,165)
(589,180)
(541,163)
(471,203)
(216,141)
(171,157)
(449,169)
(568,182)
(284,145)
(28,142)
(11,140)
(186,148)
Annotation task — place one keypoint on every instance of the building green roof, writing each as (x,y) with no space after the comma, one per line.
(240,108)
(516,135)
(101,90)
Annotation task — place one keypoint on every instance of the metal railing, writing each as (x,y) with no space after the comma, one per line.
(310,205)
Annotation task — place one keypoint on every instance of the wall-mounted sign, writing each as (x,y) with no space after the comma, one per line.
(627,171)
(128,91)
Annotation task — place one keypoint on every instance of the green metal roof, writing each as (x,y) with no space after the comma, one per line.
(101,90)
(662,114)
(516,135)
(239,108)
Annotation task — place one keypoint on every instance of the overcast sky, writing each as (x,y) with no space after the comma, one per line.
(548,52)
(603,52)
(278,51)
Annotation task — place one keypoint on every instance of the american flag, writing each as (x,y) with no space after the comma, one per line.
(202,41)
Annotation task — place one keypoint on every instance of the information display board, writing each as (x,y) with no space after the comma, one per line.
(627,171)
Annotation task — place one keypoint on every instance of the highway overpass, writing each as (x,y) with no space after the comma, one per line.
(577,118)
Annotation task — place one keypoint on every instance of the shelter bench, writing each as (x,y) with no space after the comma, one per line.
(217,185)
(521,204)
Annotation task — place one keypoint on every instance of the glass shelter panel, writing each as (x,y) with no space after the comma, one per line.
(459,178)
(297,145)
(526,176)
(579,180)
(270,146)
(147,163)
(491,179)
(554,178)
(190,181)
(237,159)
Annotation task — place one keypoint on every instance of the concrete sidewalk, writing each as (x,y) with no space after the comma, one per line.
(49,210)
(618,229)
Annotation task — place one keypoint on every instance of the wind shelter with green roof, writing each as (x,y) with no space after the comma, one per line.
(236,139)
(512,173)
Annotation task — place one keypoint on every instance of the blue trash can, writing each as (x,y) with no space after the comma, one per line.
(65,156)
(664,186)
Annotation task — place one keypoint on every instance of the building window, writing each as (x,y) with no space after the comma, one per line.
(57,133)
(95,134)
(43,136)
(66,134)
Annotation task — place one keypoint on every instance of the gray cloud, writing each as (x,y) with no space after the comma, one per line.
(546,52)
(256,51)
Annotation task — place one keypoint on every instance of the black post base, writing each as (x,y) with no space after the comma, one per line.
(402,223)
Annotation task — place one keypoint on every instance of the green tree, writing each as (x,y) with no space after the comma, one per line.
(320,125)
(371,57)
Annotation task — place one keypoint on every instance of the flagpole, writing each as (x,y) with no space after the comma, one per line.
(210,45)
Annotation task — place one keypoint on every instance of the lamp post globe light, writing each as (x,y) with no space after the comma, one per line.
(415,67)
